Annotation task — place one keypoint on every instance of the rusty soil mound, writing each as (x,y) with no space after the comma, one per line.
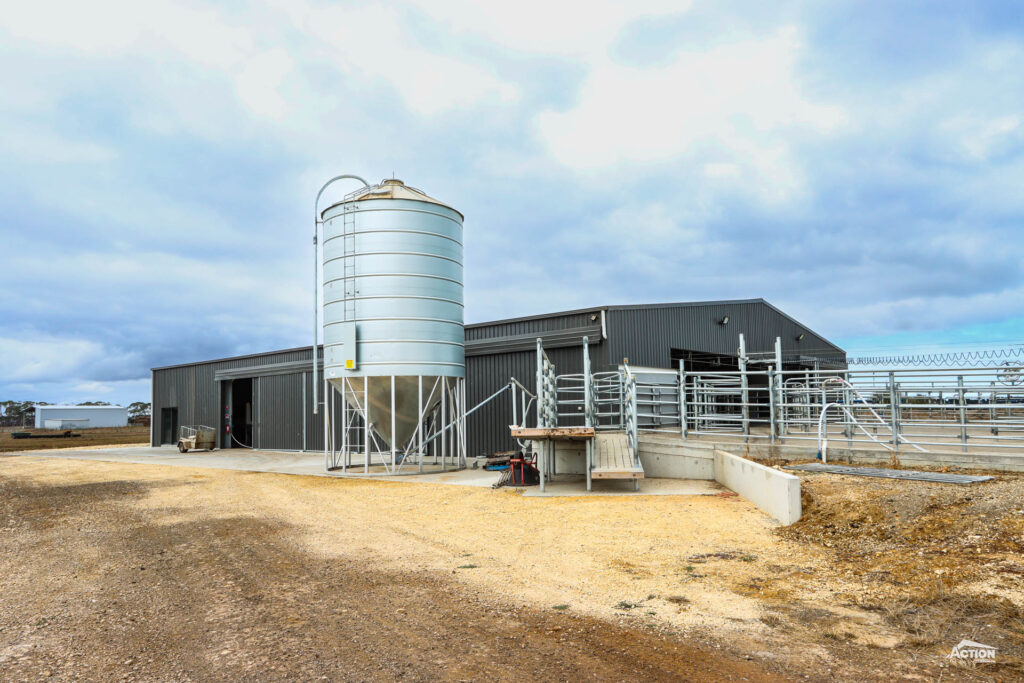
(936,561)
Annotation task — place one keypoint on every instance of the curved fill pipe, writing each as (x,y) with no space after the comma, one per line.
(316,275)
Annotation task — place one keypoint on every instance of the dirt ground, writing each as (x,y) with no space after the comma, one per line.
(112,571)
(101,436)
(937,562)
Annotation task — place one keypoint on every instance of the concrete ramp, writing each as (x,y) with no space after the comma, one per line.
(614,459)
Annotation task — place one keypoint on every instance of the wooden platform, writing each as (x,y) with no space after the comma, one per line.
(544,433)
(612,458)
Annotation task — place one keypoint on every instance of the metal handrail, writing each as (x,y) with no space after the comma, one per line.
(547,400)
(631,416)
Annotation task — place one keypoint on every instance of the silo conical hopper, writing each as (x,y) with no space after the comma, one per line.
(407,407)
(393,304)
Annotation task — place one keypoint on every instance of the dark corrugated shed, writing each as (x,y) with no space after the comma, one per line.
(648,335)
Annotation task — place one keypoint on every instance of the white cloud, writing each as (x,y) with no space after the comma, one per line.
(93,388)
(34,356)
(980,137)
(109,27)
(262,51)
(735,103)
(578,28)
(374,43)
(259,83)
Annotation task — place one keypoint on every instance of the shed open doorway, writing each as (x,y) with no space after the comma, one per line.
(241,414)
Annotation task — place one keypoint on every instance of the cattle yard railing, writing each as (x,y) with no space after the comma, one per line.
(922,409)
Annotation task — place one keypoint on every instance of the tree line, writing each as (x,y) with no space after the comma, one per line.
(23,413)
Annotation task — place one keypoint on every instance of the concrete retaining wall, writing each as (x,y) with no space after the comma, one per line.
(678,460)
(840,454)
(776,493)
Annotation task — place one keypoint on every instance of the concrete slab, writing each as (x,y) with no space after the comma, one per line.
(480,478)
(280,462)
(572,486)
(311,464)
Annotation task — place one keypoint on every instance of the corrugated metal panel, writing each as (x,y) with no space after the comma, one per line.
(279,414)
(552,339)
(646,335)
(193,390)
(487,428)
(301,351)
(528,326)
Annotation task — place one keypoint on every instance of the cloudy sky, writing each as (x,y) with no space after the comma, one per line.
(860,165)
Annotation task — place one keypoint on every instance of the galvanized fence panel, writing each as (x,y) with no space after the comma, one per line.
(922,409)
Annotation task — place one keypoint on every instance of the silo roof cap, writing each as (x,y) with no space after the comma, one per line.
(392,188)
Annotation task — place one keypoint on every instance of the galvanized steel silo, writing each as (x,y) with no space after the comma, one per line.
(392,304)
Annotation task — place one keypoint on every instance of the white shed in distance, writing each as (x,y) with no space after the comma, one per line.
(80,417)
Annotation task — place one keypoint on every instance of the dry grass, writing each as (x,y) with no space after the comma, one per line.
(934,614)
(102,436)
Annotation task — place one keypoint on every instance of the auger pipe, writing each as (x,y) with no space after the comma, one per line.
(316,279)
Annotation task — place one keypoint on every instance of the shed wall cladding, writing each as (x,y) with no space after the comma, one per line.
(194,391)
(647,334)
(86,417)
(487,370)
(280,401)
(279,406)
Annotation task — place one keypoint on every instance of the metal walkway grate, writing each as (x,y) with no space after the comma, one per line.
(913,475)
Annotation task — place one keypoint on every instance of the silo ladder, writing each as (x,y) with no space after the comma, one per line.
(348,218)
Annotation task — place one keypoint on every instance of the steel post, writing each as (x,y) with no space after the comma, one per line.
(744,388)
(326,423)
(394,445)
(682,398)
(590,461)
(345,448)
(367,425)
(540,386)
(419,423)
(963,413)
(444,422)
(781,414)
(894,411)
